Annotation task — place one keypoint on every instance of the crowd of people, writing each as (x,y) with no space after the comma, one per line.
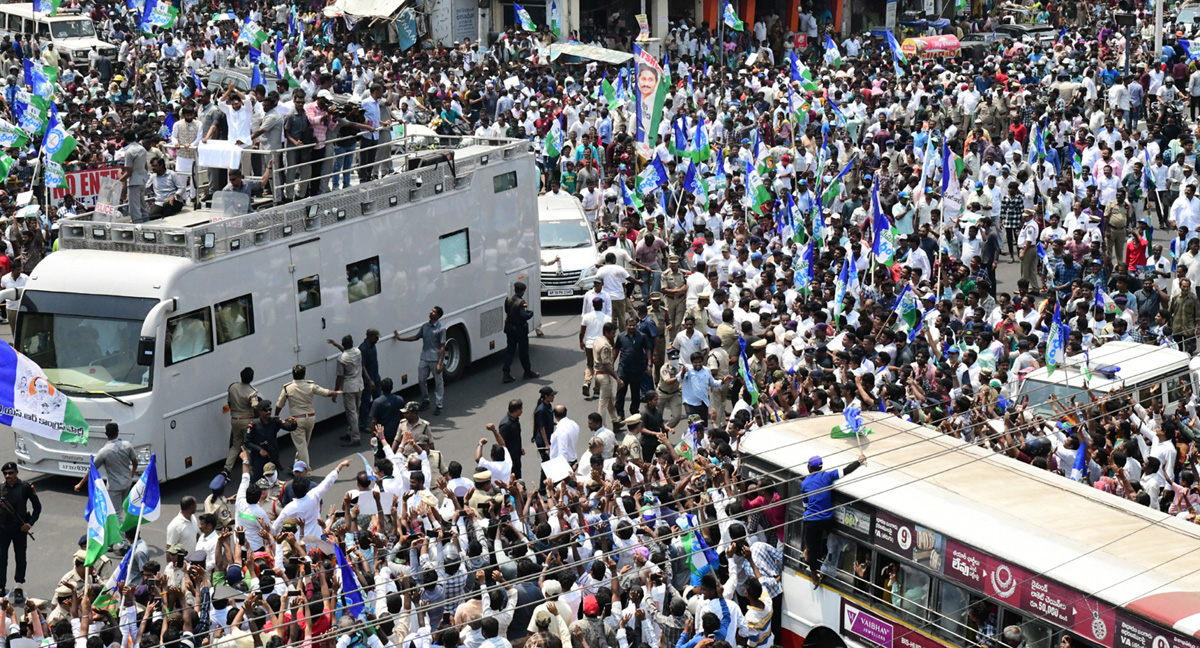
(788,231)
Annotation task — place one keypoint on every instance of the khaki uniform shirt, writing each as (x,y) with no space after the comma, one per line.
(674,279)
(298,395)
(241,400)
(703,320)
(220,507)
(602,351)
(668,372)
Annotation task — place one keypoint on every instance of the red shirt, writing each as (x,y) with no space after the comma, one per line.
(1135,252)
(1019,132)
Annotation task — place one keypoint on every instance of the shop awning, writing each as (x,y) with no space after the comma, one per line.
(577,51)
(364,8)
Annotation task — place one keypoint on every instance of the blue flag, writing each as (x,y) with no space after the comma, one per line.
(256,78)
(854,420)
(945,166)
(1080,469)
(167,127)
(652,177)
(352,594)
(197,81)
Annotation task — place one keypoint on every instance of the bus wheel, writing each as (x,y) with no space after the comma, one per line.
(457,357)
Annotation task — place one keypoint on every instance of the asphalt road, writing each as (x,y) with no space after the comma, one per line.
(471,403)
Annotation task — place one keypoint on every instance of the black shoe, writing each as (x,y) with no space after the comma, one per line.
(424,405)
(345,436)
(352,444)
(18,597)
(818,580)
(529,375)
(587,391)
(437,411)
(507,378)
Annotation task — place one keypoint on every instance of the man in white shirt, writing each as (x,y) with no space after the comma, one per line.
(306,508)
(184,529)
(1185,211)
(14,279)
(614,278)
(591,326)
(565,437)
(237,115)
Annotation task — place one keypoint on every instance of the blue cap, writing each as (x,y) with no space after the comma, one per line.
(233,573)
(978,185)
(217,482)
(756,255)
(814,462)
(299,466)
(745,140)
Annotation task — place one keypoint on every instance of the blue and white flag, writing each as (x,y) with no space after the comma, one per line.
(1080,469)
(143,499)
(1056,343)
(352,594)
(652,177)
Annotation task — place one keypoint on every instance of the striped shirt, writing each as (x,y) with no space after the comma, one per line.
(759,623)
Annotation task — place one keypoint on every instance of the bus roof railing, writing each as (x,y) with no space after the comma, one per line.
(425,168)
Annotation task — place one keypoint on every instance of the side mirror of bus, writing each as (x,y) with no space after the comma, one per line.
(145,352)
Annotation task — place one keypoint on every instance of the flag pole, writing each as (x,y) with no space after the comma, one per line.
(137,530)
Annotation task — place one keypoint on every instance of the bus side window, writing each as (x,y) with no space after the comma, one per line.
(235,319)
(362,279)
(1035,633)
(793,554)
(308,292)
(1175,385)
(849,562)
(903,587)
(189,335)
(952,614)
(14,24)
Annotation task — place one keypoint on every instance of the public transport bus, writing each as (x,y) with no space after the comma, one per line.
(932,526)
(147,325)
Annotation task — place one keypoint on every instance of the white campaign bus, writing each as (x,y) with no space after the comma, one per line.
(1156,372)
(147,325)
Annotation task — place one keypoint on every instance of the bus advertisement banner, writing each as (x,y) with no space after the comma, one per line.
(865,624)
(1132,632)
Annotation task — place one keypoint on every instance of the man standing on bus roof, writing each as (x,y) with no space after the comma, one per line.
(298,395)
(14,279)
(351,378)
(242,396)
(433,355)
(816,490)
(516,329)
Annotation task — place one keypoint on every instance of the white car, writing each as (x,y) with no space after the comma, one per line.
(565,234)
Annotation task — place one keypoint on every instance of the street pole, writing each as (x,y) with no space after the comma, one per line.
(1158,28)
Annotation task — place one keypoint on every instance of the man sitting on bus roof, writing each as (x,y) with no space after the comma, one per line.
(817,490)
(166,196)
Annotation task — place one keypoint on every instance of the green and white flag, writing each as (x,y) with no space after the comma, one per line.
(555,26)
(756,191)
(523,18)
(12,136)
(102,528)
(164,16)
(252,33)
(554,141)
(6,164)
(56,175)
(59,143)
(144,498)
(731,18)
(908,311)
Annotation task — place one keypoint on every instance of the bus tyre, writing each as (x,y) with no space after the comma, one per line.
(457,356)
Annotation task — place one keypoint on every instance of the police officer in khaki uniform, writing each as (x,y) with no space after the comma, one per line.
(758,361)
(718,364)
(704,321)
(242,396)
(670,394)
(411,425)
(674,288)
(298,395)
(658,314)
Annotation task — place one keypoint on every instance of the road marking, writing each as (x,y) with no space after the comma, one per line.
(552,323)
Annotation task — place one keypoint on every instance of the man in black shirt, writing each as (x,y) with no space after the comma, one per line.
(543,422)
(516,328)
(262,438)
(510,431)
(16,522)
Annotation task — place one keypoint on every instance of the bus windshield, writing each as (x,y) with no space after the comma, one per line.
(73,29)
(1039,393)
(564,234)
(84,353)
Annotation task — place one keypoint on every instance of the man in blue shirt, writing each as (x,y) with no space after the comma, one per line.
(817,492)
(696,381)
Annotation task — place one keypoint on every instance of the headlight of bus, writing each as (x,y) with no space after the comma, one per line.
(19,445)
(143,455)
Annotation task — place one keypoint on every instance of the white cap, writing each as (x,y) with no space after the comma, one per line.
(325,94)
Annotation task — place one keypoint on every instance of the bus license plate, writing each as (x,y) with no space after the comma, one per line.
(560,292)
(72,467)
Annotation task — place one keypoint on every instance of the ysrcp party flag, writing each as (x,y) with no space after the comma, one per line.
(143,499)
(252,33)
(56,175)
(58,143)
(102,530)
(161,14)
(48,7)
(1056,343)
(652,177)
(650,89)
(28,402)
(12,136)
(731,18)
(6,164)
(523,18)
(36,79)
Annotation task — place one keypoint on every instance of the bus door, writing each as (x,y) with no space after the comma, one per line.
(310,313)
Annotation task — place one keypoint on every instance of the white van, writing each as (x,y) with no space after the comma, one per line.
(1114,366)
(72,32)
(565,233)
